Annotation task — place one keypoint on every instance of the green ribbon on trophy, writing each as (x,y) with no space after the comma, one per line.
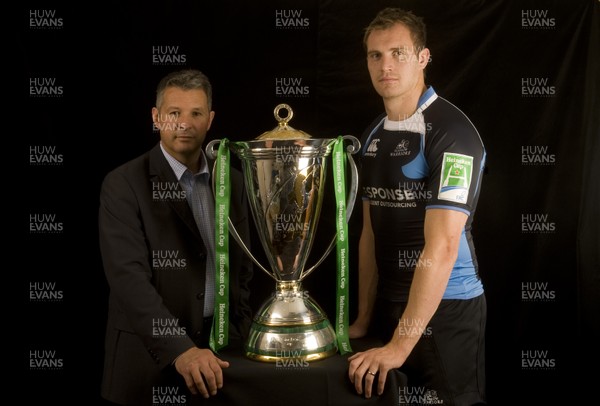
(219,335)
(342,309)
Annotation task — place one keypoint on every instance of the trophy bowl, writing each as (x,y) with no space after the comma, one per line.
(285,171)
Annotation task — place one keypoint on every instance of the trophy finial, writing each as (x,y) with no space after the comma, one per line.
(283,120)
(283,131)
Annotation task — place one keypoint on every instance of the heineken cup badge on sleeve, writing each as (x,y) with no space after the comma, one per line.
(284,171)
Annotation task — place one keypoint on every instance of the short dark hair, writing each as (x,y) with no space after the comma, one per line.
(390,16)
(187,79)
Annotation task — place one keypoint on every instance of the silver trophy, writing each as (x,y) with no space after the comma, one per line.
(285,172)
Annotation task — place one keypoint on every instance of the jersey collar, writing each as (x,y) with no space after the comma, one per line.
(426,99)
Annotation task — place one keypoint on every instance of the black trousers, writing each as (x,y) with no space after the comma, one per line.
(448,362)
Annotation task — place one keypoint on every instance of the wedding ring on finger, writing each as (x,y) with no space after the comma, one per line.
(371,373)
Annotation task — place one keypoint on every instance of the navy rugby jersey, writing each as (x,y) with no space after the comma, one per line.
(433,159)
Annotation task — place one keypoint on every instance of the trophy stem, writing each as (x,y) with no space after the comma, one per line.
(288,287)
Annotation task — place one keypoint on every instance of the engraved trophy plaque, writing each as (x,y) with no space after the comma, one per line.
(285,171)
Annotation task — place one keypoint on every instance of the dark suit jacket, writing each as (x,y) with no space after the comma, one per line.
(154,260)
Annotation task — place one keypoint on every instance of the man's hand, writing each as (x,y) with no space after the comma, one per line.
(368,364)
(202,371)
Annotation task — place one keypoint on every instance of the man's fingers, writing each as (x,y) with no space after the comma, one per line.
(353,356)
(358,381)
(210,384)
(362,373)
(217,373)
(355,362)
(199,383)
(370,376)
(382,377)
(202,371)
(223,364)
(213,375)
(189,382)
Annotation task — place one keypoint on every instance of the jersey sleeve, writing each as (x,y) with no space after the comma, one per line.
(456,158)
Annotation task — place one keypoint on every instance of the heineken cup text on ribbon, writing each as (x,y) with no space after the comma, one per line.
(219,336)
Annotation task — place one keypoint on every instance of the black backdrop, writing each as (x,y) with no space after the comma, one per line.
(525,72)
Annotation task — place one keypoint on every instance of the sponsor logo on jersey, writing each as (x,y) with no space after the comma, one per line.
(401,149)
(455,177)
(372,148)
(406,195)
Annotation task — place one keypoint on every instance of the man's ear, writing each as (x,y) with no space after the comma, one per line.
(211,117)
(424,57)
(154,115)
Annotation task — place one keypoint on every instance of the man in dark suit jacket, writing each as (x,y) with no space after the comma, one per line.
(156,260)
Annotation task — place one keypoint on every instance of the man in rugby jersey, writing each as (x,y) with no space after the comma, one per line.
(419,284)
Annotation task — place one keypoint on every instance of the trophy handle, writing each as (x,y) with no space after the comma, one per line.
(211,151)
(351,149)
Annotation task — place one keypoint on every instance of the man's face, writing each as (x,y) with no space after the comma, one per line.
(183,120)
(395,65)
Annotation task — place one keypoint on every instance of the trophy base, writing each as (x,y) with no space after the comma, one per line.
(290,325)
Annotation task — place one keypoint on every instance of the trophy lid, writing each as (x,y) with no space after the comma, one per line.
(283,131)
